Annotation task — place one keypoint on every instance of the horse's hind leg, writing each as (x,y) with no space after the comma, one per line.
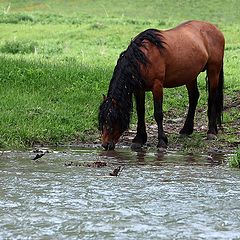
(214,101)
(141,137)
(193,95)
(158,113)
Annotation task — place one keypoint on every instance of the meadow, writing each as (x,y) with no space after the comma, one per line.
(57,58)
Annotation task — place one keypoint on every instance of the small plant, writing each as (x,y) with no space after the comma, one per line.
(19,46)
(235,159)
(24,18)
(97,25)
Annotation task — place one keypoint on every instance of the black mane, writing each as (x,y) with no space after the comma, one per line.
(126,79)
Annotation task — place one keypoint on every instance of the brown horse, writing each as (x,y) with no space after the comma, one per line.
(164,59)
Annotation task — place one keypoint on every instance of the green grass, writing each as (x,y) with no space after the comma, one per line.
(57,58)
(48,101)
(235,159)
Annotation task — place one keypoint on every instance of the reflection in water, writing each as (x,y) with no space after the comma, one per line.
(159,195)
(142,156)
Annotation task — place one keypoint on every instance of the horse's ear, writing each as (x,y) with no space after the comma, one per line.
(104,97)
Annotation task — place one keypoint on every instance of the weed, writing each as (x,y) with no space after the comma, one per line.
(235,159)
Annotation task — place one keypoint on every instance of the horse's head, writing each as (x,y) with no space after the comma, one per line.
(113,121)
(110,137)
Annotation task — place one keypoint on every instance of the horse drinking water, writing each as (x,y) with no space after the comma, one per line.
(164,59)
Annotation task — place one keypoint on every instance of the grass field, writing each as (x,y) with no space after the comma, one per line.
(57,58)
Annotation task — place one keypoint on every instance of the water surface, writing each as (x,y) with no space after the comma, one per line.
(156,196)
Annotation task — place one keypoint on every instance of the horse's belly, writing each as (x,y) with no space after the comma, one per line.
(181,74)
(180,79)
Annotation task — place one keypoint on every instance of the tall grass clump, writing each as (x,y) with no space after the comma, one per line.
(19,46)
(16,18)
(235,159)
(29,46)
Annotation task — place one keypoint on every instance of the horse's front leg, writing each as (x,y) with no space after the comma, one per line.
(158,113)
(141,137)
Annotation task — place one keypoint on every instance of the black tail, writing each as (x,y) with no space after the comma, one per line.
(219,98)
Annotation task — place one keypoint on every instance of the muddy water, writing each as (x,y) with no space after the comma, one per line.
(156,196)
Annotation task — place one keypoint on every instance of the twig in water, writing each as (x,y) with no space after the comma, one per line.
(38,156)
(116,172)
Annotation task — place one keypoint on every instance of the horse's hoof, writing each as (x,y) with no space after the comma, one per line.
(186,132)
(211,136)
(161,145)
(161,150)
(136,146)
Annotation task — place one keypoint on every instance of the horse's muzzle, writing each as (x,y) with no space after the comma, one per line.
(108,145)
